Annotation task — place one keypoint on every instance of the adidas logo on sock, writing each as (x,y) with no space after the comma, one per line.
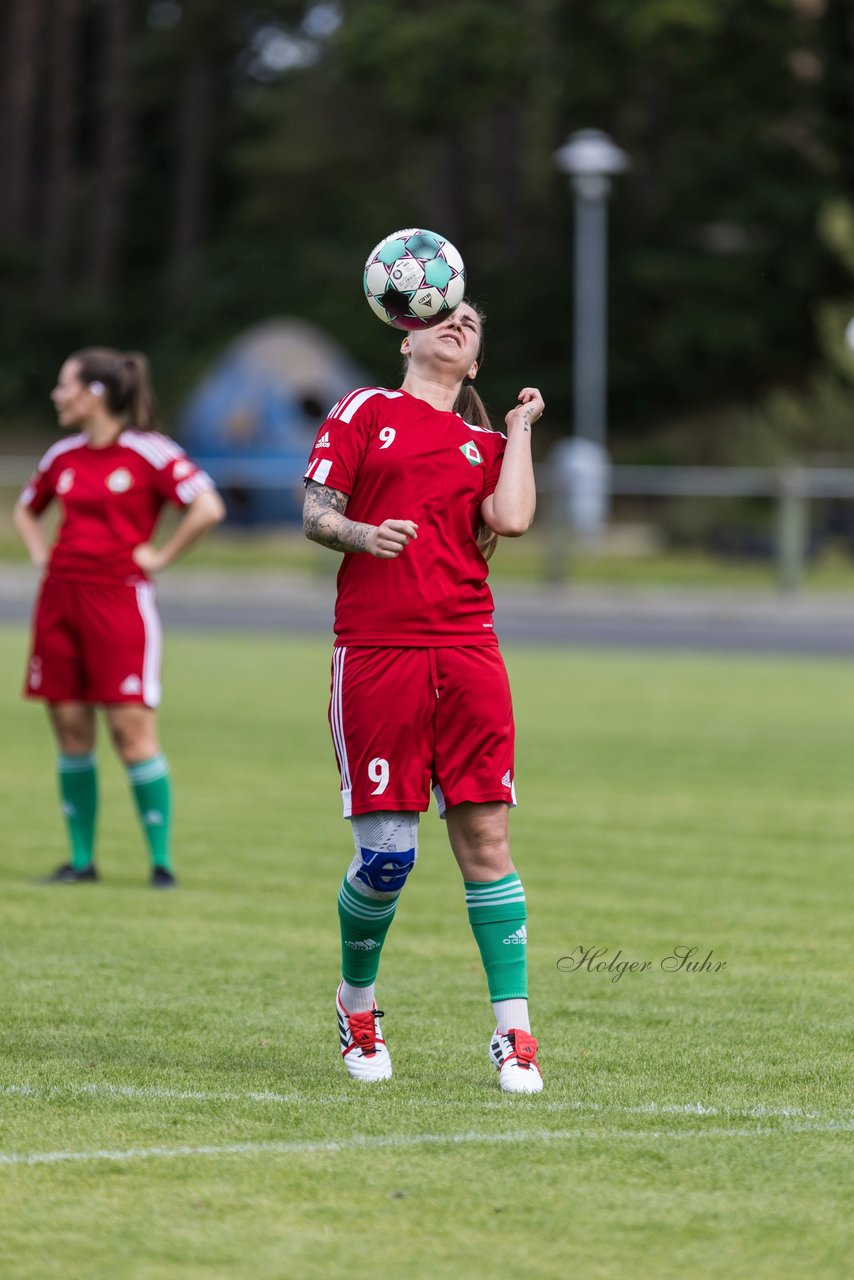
(517,939)
(367,945)
(323,442)
(505,781)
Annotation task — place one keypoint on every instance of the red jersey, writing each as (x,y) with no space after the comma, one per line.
(398,458)
(112,498)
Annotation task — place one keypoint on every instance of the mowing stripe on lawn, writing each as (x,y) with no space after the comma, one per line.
(364,1142)
(155,1092)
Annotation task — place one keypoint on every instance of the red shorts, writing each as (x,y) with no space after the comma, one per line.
(96,643)
(406,720)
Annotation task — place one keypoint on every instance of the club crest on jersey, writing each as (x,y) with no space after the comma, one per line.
(119,481)
(471,453)
(65,481)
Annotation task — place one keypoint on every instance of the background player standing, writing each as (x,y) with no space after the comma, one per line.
(413,485)
(96,630)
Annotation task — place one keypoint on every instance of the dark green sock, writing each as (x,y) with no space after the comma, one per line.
(497,915)
(152,790)
(364,925)
(78,788)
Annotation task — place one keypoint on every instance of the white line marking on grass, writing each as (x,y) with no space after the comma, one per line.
(155,1092)
(394,1141)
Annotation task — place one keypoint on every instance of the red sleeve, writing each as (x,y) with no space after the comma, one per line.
(41,490)
(493,470)
(341,441)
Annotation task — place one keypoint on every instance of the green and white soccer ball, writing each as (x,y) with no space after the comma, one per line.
(414,279)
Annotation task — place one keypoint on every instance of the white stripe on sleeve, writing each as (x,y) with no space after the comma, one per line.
(62,446)
(157,449)
(356,401)
(187,490)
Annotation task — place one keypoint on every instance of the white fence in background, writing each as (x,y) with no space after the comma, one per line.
(790,488)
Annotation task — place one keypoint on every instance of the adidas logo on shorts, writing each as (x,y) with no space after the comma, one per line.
(517,939)
(131,684)
(505,781)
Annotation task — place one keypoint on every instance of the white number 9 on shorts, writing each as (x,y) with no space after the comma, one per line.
(378,773)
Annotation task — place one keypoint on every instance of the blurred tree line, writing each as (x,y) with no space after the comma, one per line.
(172,172)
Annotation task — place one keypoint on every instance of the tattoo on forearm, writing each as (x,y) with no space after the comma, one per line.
(323,520)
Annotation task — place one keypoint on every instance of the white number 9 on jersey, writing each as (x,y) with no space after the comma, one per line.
(387,436)
(378,772)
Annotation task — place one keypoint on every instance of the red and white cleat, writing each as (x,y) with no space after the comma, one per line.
(514,1053)
(362,1047)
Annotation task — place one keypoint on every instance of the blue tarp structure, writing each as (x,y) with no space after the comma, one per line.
(252,420)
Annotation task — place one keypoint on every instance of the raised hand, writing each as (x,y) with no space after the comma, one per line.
(526,412)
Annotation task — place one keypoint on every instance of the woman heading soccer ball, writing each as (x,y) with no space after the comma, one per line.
(413,485)
(96,630)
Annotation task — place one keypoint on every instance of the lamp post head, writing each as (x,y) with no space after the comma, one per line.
(589,157)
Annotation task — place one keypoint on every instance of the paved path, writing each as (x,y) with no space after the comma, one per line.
(642,618)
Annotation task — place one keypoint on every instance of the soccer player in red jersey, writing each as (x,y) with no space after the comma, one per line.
(413,485)
(96,631)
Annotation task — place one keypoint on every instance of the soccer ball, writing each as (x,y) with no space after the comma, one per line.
(414,278)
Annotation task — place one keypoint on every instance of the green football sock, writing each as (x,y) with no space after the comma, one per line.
(78,788)
(364,925)
(152,790)
(497,916)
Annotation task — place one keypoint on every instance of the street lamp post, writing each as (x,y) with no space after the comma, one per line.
(590,158)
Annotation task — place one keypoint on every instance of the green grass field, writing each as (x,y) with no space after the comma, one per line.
(173,1104)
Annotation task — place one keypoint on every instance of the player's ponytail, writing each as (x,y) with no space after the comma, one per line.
(468,403)
(471,408)
(142,401)
(124,380)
